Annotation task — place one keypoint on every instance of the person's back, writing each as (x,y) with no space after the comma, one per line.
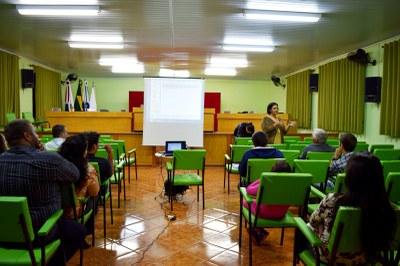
(59,133)
(244,129)
(319,143)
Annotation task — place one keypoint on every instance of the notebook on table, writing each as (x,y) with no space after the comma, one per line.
(171,146)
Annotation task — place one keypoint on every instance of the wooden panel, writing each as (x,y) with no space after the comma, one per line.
(137,119)
(102,122)
(216,146)
(209,119)
(144,154)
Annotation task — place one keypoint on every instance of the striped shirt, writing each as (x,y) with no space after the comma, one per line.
(26,171)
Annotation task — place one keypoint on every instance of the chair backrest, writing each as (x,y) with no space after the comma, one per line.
(68,197)
(392,184)
(332,141)
(28,116)
(291,139)
(97,168)
(243,141)
(102,153)
(304,142)
(120,146)
(317,168)
(290,155)
(237,152)
(15,210)
(390,166)
(361,147)
(10,117)
(281,146)
(348,225)
(299,147)
(104,137)
(320,155)
(189,159)
(387,154)
(372,147)
(256,166)
(340,186)
(283,188)
(308,139)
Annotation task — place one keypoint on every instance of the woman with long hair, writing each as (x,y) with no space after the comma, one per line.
(365,189)
(273,126)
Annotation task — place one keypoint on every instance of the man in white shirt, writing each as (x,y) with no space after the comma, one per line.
(60,133)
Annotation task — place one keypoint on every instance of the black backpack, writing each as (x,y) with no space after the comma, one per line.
(175,189)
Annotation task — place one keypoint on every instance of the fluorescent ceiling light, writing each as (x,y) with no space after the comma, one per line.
(248,48)
(58,10)
(111,61)
(211,71)
(58,2)
(134,69)
(96,45)
(174,73)
(282,15)
(96,38)
(228,62)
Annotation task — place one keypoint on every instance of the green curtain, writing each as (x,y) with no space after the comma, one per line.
(298,98)
(390,108)
(341,96)
(9,85)
(47,90)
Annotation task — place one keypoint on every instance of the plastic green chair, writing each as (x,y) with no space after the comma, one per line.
(275,189)
(243,141)
(291,139)
(390,166)
(122,154)
(317,168)
(256,166)
(332,141)
(304,142)
(184,160)
(392,184)
(233,159)
(310,139)
(37,123)
(16,227)
(345,237)
(69,200)
(290,156)
(104,193)
(299,147)
(10,117)
(104,137)
(387,154)
(360,147)
(319,155)
(282,146)
(372,147)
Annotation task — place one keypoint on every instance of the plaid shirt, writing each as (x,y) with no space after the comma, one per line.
(339,165)
(26,171)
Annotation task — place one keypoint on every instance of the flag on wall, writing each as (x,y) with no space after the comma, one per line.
(92,102)
(78,98)
(69,101)
(85,97)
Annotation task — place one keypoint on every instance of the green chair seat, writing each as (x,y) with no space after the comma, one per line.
(188,179)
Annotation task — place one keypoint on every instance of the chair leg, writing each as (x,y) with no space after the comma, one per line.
(123,180)
(229,182)
(81,255)
(111,208)
(282,234)
(224,175)
(104,215)
(129,173)
(202,188)
(250,242)
(136,169)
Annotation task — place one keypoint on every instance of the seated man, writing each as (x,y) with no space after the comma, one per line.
(244,129)
(319,143)
(25,170)
(260,150)
(60,133)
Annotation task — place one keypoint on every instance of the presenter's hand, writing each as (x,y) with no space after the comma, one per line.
(292,123)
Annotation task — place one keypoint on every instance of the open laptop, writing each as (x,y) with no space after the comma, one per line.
(171,146)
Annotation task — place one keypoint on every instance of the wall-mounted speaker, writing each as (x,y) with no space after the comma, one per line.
(373,89)
(313,82)
(27,78)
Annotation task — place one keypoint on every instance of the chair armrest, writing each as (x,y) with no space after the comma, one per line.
(49,224)
(168,165)
(132,151)
(120,165)
(248,198)
(315,191)
(227,158)
(84,200)
(314,240)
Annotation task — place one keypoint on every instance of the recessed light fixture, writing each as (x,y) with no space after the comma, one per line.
(211,71)
(174,73)
(111,61)
(96,38)
(134,69)
(59,10)
(282,15)
(228,62)
(96,45)
(248,48)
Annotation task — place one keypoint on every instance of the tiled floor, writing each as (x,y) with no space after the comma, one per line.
(142,235)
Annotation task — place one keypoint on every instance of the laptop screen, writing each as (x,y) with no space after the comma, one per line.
(171,146)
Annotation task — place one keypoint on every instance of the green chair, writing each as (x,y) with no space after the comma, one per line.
(390,166)
(256,166)
(10,117)
(275,189)
(320,155)
(372,147)
(345,237)
(290,156)
(299,147)
(105,137)
(309,139)
(16,228)
(178,175)
(317,168)
(233,159)
(104,194)
(282,146)
(243,141)
(360,147)
(387,154)
(332,141)
(304,142)
(70,201)
(37,123)
(291,139)
(392,184)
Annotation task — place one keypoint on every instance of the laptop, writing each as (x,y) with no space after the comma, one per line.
(171,146)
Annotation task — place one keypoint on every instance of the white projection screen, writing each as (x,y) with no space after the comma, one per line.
(173,110)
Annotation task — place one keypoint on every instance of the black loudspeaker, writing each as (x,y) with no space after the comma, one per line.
(373,89)
(27,78)
(313,82)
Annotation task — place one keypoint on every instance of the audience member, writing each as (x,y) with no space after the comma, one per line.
(319,137)
(274,127)
(347,144)
(3,144)
(266,211)
(74,149)
(27,171)
(260,150)
(364,177)
(244,129)
(59,134)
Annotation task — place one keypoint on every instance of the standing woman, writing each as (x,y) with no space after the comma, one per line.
(273,126)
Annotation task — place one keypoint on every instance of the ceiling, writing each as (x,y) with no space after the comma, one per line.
(185,34)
